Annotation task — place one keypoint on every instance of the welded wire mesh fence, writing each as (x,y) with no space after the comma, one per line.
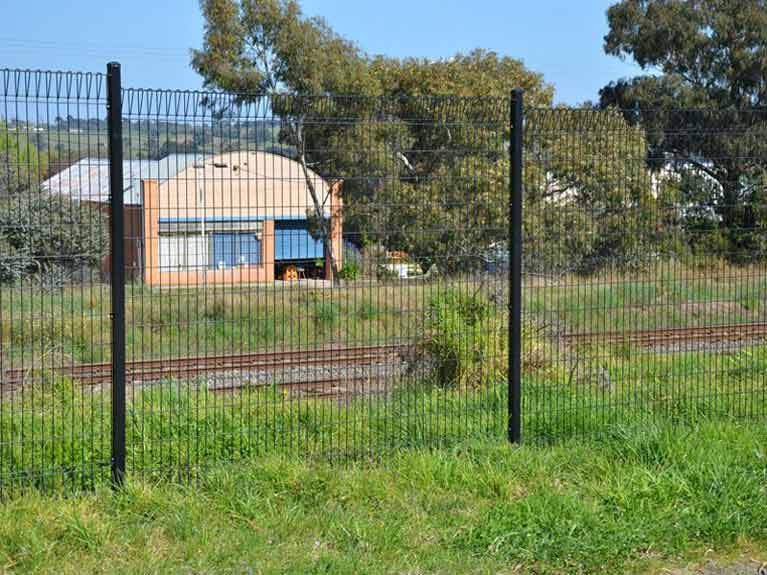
(54,302)
(644,254)
(321,276)
(320,270)
(333,276)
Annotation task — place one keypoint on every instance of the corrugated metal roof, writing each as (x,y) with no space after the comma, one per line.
(88,179)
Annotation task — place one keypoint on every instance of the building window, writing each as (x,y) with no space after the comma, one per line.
(235,249)
(198,245)
(182,252)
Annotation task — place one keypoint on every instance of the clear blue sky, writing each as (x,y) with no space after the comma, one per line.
(151,38)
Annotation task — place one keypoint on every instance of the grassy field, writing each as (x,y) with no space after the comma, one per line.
(72,325)
(568,390)
(669,295)
(639,501)
(636,460)
(583,387)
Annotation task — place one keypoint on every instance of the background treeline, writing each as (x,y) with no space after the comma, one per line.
(664,165)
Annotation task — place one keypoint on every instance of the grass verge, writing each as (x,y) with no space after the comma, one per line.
(635,500)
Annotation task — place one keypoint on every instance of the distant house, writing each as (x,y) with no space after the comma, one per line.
(198,220)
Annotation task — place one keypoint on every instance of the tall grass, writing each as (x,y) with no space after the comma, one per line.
(57,433)
(641,500)
(667,295)
(72,325)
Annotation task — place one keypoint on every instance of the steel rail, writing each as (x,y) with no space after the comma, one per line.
(187,367)
(662,336)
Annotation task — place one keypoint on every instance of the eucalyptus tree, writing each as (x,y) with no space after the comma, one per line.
(421,145)
(701,103)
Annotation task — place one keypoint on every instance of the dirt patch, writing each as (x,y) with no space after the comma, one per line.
(745,565)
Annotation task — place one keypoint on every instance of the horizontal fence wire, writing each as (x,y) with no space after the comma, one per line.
(319,276)
(329,276)
(644,268)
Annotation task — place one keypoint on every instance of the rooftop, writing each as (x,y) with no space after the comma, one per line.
(88,179)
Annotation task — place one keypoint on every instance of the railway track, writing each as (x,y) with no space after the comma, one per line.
(676,335)
(190,367)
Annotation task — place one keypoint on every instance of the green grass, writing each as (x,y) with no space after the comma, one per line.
(574,389)
(568,390)
(635,500)
(589,390)
(668,295)
(633,458)
(56,434)
(72,325)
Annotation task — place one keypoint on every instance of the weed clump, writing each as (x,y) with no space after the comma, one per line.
(465,340)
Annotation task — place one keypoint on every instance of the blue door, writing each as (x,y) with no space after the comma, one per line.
(292,241)
(235,249)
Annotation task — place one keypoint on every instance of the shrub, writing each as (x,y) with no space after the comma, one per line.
(22,165)
(349,271)
(14,263)
(368,310)
(465,341)
(49,236)
(326,314)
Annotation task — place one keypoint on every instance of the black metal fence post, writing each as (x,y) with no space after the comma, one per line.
(117,271)
(515,272)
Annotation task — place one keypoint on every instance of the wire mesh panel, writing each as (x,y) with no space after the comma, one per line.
(312,275)
(54,300)
(644,275)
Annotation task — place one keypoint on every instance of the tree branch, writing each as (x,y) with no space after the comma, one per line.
(318,206)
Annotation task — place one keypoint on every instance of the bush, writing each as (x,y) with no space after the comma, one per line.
(349,271)
(22,165)
(49,237)
(576,239)
(368,311)
(14,264)
(466,340)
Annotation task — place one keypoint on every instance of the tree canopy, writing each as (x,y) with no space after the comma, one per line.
(702,106)
(420,173)
(22,166)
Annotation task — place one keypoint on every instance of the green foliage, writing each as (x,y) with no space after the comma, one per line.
(646,500)
(368,311)
(50,237)
(465,339)
(433,203)
(14,263)
(326,314)
(704,111)
(417,194)
(589,201)
(350,271)
(22,166)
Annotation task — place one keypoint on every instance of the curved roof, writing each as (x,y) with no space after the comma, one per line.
(242,184)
